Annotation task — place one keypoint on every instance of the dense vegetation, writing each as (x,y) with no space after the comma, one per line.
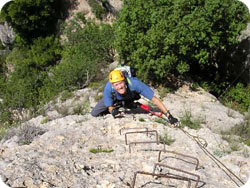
(180,37)
(41,66)
(31,19)
(87,51)
(191,39)
(159,38)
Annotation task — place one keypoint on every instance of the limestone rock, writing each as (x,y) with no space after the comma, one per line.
(63,156)
(7,35)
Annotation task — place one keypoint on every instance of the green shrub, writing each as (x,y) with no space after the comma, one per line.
(29,71)
(86,52)
(238,97)
(21,90)
(63,110)
(220,153)
(163,37)
(97,9)
(99,85)
(100,150)
(95,41)
(5,115)
(98,97)
(160,120)
(66,95)
(94,85)
(3,69)
(78,109)
(188,120)
(194,86)
(245,153)
(25,133)
(235,146)
(31,20)
(163,91)
(242,130)
(6,122)
(166,139)
(45,120)
(44,52)
(232,141)
(142,120)
(82,109)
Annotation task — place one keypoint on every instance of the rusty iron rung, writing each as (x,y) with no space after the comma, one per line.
(188,156)
(160,175)
(148,131)
(180,170)
(146,142)
(120,131)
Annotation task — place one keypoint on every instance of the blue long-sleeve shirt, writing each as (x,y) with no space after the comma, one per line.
(133,86)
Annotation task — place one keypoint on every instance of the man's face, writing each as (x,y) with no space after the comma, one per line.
(120,87)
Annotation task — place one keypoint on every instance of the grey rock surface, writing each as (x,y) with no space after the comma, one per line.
(7,35)
(60,156)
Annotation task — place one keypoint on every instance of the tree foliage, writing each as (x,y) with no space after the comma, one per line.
(28,72)
(87,50)
(238,97)
(97,8)
(162,37)
(33,18)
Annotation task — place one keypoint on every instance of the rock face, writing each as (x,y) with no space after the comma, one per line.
(7,35)
(59,148)
(112,6)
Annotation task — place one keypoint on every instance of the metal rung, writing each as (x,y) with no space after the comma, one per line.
(148,131)
(120,131)
(146,142)
(160,175)
(188,156)
(180,170)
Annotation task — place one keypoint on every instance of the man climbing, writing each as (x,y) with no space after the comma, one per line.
(125,90)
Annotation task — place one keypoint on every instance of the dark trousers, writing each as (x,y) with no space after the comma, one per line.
(99,109)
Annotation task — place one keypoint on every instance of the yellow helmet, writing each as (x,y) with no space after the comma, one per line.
(116,76)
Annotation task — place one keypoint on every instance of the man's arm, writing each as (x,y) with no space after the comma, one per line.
(165,111)
(108,100)
(159,104)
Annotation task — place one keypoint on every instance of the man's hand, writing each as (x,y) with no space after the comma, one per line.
(115,112)
(172,119)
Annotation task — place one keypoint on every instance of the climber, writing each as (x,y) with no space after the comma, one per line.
(125,90)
